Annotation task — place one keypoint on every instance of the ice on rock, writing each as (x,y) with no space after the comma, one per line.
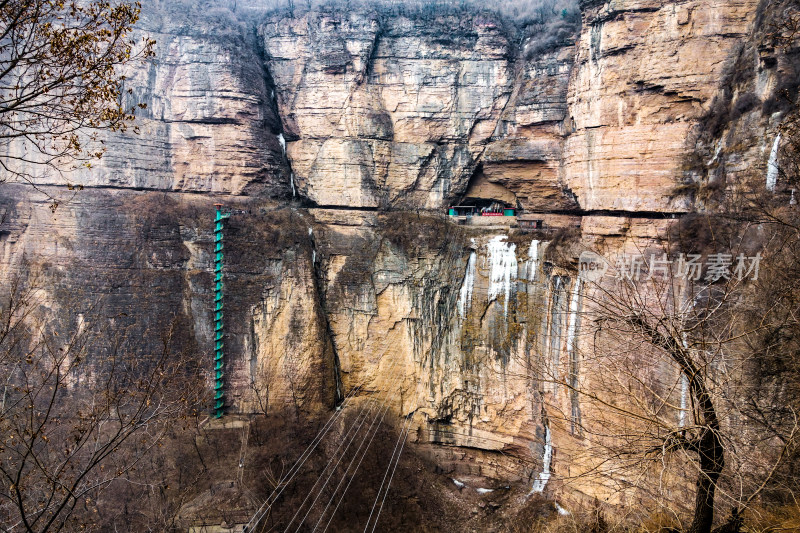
(772,165)
(465,295)
(533,260)
(573,316)
(503,269)
(541,481)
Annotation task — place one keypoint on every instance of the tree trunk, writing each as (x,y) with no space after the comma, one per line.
(712,461)
(709,446)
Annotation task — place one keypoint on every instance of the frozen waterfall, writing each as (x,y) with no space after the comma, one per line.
(541,481)
(572,354)
(572,325)
(503,268)
(282,140)
(465,296)
(533,260)
(772,165)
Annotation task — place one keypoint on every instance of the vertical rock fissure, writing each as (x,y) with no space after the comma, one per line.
(269,84)
(253,367)
(367,70)
(321,299)
(513,94)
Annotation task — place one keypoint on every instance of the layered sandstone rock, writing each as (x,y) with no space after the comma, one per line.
(210,124)
(382,111)
(525,154)
(429,320)
(644,73)
(737,146)
(464,330)
(370,109)
(372,120)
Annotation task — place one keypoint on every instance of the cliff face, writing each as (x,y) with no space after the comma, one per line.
(364,109)
(387,111)
(645,73)
(384,111)
(210,125)
(457,327)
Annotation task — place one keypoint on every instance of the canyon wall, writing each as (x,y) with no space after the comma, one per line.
(327,133)
(645,73)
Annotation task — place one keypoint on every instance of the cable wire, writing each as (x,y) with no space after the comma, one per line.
(395,375)
(353,475)
(388,485)
(283,483)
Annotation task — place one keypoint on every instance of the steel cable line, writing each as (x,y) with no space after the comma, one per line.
(261,512)
(355,455)
(363,455)
(408,422)
(349,436)
(406,425)
(389,484)
(283,483)
(281,486)
(393,371)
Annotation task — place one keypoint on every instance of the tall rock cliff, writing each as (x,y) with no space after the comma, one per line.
(327,132)
(645,73)
(210,125)
(385,111)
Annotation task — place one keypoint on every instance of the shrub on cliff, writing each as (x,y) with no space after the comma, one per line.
(522,12)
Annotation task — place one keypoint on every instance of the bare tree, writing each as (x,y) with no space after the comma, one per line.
(73,417)
(60,81)
(672,383)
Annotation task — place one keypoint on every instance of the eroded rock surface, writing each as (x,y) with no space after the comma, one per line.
(462,329)
(210,125)
(645,72)
(385,111)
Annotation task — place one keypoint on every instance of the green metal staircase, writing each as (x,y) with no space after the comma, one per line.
(219,331)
